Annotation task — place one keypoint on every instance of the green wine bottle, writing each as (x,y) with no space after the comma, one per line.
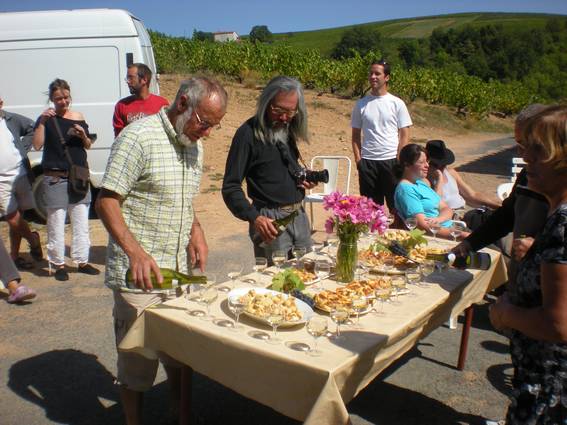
(280,225)
(171,279)
(473,260)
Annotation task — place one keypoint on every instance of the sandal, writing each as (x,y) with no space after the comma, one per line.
(23,293)
(23,264)
(35,250)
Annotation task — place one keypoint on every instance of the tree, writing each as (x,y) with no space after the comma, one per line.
(203,36)
(261,33)
(359,39)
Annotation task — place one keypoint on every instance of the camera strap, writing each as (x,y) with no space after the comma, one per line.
(293,166)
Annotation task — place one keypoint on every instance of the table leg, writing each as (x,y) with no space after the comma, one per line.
(185,396)
(465,337)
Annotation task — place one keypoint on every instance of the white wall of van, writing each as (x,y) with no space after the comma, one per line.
(90,49)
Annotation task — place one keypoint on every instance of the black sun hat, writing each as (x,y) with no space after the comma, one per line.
(438,153)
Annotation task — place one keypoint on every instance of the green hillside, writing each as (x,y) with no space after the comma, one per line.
(396,30)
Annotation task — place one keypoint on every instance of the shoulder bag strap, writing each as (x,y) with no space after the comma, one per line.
(62,140)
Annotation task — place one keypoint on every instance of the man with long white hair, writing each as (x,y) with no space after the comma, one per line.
(264,152)
(153,173)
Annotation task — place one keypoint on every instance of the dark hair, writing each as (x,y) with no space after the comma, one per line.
(58,84)
(409,155)
(384,64)
(143,71)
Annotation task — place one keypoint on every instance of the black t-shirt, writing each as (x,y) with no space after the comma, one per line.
(268,179)
(54,157)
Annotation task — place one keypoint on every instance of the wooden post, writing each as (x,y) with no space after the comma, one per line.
(465,337)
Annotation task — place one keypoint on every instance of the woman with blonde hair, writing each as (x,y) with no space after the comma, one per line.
(535,308)
(63,133)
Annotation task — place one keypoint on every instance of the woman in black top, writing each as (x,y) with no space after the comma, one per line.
(52,125)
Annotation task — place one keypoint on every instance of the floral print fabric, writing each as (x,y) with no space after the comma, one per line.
(540,367)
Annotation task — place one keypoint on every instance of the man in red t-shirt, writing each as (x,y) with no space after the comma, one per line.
(141,103)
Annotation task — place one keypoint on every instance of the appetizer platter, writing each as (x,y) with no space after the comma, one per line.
(261,303)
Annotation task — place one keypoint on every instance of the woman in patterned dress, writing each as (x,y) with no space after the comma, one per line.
(535,308)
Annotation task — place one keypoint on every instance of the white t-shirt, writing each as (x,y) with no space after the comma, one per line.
(11,164)
(380,118)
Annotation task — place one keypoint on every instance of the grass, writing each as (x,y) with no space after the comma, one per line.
(325,39)
(426,115)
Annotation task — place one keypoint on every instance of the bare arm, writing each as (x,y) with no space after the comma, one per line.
(356,144)
(472,197)
(545,323)
(198,248)
(39,133)
(403,138)
(108,208)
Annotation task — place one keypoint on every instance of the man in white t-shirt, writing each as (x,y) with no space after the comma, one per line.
(380,129)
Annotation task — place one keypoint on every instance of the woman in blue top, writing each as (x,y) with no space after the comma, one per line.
(415,198)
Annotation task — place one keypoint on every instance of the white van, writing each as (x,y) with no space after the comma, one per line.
(90,49)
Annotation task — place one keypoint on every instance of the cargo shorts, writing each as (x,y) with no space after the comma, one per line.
(136,372)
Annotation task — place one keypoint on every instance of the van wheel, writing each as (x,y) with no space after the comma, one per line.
(39,198)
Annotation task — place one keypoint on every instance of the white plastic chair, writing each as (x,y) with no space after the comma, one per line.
(331,164)
(503,190)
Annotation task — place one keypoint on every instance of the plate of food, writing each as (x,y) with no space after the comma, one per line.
(261,302)
(327,300)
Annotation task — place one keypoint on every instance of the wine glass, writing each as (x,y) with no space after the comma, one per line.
(234,274)
(411,223)
(316,326)
(278,258)
(434,227)
(236,307)
(339,315)
(207,295)
(413,277)
(456,229)
(426,268)
(298,252)
(260,264)
(317,248)
(322,270)
(359,303)
(390,219)
(275,318)
(383,294)
(387,264)
(398,284)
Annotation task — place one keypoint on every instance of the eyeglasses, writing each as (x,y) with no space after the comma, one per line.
(280,111)
(204,125)
(130,78)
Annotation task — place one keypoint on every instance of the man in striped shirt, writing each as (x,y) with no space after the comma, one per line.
(154,170)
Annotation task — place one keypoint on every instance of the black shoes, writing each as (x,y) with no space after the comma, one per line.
(87,269)
(61,274)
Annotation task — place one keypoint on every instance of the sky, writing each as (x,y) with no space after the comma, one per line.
(180,18)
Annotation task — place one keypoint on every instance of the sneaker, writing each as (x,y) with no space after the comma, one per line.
(87,269)
(23,293)
(61,274)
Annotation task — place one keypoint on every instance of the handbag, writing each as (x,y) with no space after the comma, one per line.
(79,175)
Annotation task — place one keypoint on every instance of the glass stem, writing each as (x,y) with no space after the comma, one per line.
(338,330)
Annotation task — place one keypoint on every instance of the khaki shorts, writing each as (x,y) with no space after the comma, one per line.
(15,195)
(136,372)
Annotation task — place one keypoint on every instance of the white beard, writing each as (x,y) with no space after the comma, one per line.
(279,134)
(180,125)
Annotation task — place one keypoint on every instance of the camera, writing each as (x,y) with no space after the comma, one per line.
(312,176)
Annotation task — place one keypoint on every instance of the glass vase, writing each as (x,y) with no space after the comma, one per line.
(347,258)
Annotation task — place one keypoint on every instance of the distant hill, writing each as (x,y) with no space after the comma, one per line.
(396,30)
